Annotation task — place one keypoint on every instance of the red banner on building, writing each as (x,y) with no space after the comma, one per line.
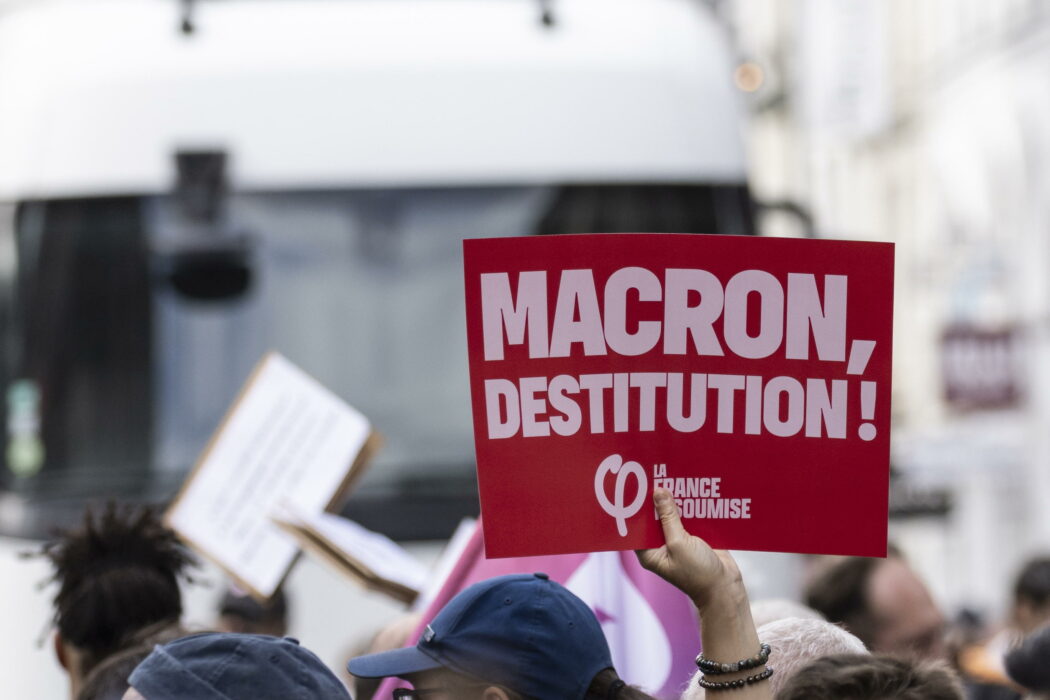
(750,376)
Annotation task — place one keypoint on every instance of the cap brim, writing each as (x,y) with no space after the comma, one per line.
(399,662)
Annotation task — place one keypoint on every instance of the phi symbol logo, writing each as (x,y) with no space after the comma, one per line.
(614,464)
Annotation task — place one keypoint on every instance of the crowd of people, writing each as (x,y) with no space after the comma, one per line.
(869,630)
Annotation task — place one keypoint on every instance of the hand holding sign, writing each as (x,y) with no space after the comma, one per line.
(711,578)
(687,562)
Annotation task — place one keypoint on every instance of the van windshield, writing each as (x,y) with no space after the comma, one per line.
(132,327)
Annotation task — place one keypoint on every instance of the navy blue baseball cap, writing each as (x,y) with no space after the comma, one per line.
(1027,664)
(523,632)
(215,666)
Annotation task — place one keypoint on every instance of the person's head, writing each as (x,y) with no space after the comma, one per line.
(883,602)
(443,684)
(117,574)
(772,609)
(795,641)
(240,613)
(109,679)
(865,677)
(392,636)
(510,637)
(1032,595)
(1029,663)
(221,666)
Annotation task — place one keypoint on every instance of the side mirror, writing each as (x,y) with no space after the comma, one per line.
(219,270)
(208,263)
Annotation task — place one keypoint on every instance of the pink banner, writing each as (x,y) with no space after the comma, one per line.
(651,626)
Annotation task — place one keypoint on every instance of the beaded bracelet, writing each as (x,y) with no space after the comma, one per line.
(737,684)
(713,668)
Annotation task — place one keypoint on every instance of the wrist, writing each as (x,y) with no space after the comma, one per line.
(726,599)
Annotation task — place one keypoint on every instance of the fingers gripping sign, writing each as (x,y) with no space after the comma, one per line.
(686,561)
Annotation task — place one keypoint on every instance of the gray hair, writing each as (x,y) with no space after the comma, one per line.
(772,609)
(795,642)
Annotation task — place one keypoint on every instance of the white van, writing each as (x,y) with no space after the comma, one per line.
(298,175)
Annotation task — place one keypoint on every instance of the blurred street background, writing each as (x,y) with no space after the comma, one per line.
(186,185)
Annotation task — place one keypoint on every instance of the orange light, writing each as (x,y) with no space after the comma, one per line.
(748,76)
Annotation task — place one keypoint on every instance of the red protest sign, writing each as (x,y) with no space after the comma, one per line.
(750,376)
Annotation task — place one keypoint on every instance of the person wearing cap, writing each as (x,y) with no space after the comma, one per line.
(525,636)
(222,666)
(507,637)
(1029,664)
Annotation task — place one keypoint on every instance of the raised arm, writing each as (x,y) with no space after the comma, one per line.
(713,582)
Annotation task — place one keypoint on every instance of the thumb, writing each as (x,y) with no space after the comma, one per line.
(670,520)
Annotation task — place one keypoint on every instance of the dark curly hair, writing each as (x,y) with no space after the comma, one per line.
(117,574)
(1033,583)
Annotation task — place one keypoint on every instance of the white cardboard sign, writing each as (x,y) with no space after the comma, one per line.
(286,440)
